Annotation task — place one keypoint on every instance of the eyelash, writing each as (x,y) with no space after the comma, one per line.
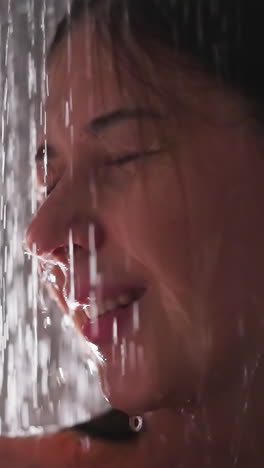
(118,162)
(122,160)
(127,158)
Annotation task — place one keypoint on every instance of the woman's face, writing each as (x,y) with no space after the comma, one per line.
(153,220)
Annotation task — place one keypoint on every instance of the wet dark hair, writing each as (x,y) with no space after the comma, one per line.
(225,37)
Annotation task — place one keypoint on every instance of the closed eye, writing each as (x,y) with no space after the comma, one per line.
(129,157)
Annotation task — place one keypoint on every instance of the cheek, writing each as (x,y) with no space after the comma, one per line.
(152,229)
(150,223)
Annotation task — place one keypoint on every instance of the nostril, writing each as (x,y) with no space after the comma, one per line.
(87,236)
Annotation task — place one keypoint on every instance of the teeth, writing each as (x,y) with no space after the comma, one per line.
(98,309)
(125,299)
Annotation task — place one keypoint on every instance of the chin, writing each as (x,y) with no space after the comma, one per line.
(134,404)
(134,393)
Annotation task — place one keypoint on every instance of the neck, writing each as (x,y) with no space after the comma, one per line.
(224,430)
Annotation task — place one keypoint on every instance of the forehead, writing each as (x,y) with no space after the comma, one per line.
(85,81)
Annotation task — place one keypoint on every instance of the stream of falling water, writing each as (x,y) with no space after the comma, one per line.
(47,377)
(41,357)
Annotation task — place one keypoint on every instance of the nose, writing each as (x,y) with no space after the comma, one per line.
(64,211)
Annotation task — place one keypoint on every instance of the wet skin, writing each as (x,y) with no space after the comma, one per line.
(172,184)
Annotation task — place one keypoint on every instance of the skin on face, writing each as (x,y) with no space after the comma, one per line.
(182,220)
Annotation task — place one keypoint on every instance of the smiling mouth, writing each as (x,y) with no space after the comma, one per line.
(98,303)
(99,308)
(107,312)
(95,308)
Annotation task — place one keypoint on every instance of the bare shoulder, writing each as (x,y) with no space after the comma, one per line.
(106,441)
(68,450)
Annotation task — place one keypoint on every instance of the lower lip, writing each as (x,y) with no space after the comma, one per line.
(102,331)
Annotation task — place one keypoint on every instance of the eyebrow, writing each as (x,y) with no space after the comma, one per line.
(104,121)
